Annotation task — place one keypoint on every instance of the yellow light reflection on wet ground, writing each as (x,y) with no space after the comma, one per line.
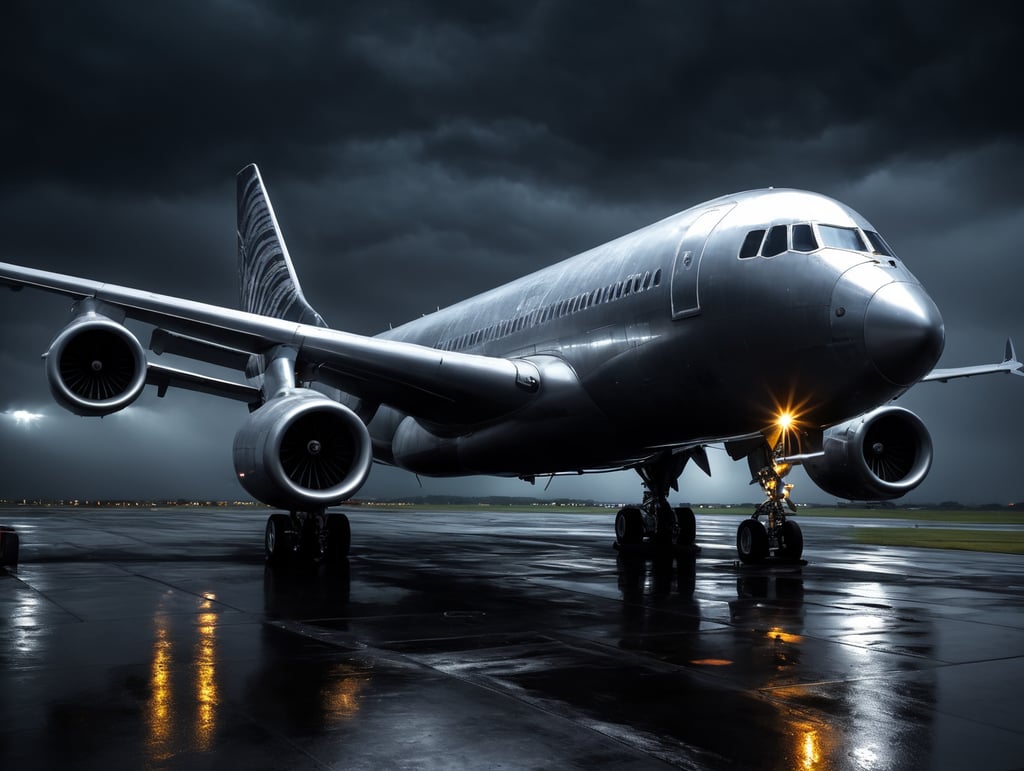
(341,695)
(813,745)
(166,738)
(205,668)
(776,633)
(160,706)
(811,755)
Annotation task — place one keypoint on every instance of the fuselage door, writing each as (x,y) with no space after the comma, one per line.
(686,268)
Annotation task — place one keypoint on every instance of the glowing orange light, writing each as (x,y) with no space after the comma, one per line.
(811,750)
(711,662)
(776,633)
(787,422)
(341,698)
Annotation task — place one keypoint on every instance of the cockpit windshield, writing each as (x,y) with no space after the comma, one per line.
(841,238)
(808,237)
(878,244)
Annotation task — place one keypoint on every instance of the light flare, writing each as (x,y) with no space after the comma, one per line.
(788,422)
(24,417)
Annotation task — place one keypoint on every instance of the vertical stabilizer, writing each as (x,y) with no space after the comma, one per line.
(267,281)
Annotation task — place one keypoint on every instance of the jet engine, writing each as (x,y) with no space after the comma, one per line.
(95,366)
(881,455)
(302,451)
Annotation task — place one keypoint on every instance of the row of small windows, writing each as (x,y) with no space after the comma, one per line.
(630,285)
(803,238)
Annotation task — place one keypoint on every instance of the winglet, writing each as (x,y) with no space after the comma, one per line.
(267,281)
(1011,358)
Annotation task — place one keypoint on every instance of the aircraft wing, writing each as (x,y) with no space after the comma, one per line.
(1009,364)
(435,385)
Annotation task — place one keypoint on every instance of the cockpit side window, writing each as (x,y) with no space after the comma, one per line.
(878,244)
(776,241)
(841,238)
(751,244)
(803,238)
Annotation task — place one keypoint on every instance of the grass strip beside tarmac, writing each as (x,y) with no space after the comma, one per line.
(959,516)
(1001,541)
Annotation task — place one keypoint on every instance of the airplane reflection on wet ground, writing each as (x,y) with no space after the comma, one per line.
(477,640)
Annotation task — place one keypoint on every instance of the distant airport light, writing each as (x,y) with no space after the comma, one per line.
(24,417)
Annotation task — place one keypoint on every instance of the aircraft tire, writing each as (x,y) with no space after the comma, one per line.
(665,534)
(278,540)
(751,542)
(629,526)
(793,540)
(8,547)
(339,537)
(686,524)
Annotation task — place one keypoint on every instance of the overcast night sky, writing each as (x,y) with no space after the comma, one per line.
(418,156)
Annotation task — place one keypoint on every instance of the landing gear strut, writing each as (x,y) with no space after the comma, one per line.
(309,536)
(655,522)
(777,538)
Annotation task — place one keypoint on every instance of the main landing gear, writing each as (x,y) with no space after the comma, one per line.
(307,536)
(777,538)
(655,523)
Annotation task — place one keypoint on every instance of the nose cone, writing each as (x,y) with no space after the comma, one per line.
(903,332)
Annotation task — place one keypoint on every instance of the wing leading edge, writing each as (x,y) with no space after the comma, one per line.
(435,385)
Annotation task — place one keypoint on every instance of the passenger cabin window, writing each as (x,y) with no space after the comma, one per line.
(751,244)
(841,238)
(776,242)
(803,238)
(634,283)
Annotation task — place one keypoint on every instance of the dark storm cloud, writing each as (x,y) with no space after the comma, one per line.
(419,154)
(162,98)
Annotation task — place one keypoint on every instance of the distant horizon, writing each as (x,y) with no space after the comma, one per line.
(494,500)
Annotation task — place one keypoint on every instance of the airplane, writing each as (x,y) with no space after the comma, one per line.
(776,322)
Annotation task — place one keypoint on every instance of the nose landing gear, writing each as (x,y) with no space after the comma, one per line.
(777,538)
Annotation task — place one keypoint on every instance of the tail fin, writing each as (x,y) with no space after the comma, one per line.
(267,281)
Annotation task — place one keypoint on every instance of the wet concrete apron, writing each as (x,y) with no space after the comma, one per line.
(485,640)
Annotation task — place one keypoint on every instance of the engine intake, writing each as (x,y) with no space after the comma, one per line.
(95,366)
(881,455)
(302,451)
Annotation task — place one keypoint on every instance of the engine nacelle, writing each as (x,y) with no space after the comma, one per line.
(95,366)
(302,451)
(881,455)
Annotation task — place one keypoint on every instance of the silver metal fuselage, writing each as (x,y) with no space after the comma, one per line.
(667,337)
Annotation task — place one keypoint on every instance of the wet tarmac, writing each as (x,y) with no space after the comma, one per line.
(157,639)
